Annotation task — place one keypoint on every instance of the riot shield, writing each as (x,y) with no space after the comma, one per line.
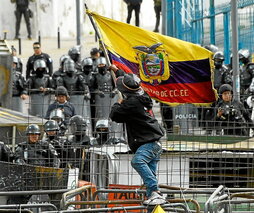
(185,118)
(18,104)
(39,104)
(82,107)
(103,105)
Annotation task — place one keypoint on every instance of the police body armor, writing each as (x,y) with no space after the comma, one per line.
(60,146)
(38,154)
(19,88)
(103,95)
(246,77)
(74,84)
(221,76)
(39,100)
(104,82)
(18,84)
(35,83)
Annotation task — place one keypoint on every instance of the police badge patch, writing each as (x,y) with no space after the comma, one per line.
(153,63)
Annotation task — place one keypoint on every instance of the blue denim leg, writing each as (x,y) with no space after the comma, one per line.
(145,163)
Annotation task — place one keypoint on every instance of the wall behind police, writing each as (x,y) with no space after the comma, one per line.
(51,14)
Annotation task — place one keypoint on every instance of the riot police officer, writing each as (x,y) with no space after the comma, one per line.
(102,131)
(19,66)
(40,81)
(74,54)
(87,72)
(74,82)
(60,71)
(105,91)
(58,116)
(230,115)
(53,137)
(221,74)
(63,104)
(34,151)
(5,153)
(246,72)
(40,85)
(19,90)
(78,142)
(78,130)
(38,54)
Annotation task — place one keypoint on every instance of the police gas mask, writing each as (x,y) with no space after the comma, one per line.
(40,72)
(75,57)
(52,135)
(102,135)
(77,125)
(218,63)
(69,67)
(102,69)
(87,69)
(70,73)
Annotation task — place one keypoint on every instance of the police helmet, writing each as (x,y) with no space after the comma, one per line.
(77,125)
(211,48)
(244,55)
(102,125)
(74,53)
(61,90)
(57,115)
(39,63)
(101,60)
(219,56)
(224,88)
(63,59)
(51,125)
(33,129)
(69,66)
(87,62)
(74,50)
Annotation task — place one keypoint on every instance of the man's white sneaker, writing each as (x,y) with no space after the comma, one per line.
(155,199)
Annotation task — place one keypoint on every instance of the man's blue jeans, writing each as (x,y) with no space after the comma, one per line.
(145,163)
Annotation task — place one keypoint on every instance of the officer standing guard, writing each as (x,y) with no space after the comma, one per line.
(38,54)
(221,73)
(22,8)
(40,85)
(105,90)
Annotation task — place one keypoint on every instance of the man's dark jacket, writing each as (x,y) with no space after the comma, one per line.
(135,112)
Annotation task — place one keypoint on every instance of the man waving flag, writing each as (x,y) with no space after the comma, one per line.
(172,71)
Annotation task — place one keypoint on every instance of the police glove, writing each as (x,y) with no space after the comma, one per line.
(113,93)
(101,94)
(87,96)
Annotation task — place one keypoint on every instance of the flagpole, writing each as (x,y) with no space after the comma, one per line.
(101,43)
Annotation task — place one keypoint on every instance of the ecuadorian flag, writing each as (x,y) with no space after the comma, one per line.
(172,71)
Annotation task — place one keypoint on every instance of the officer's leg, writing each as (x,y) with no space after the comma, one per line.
(28,25)
(157,13)
(18,14)
(137,10)
(130,8)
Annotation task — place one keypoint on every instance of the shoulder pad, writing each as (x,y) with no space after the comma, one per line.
(250,66)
